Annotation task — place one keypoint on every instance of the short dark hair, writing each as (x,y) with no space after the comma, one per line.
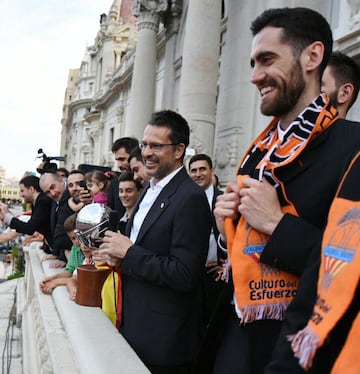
(76,171)
(180,131)
(344,69)
(128,176)
(125,142)
(201,157)
(63,170)
(31,181)
(136,153)
(70,223)
(301,27)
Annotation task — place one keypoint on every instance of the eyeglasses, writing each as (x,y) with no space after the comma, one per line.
(155,147)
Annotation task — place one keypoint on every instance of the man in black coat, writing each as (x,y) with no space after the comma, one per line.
(54,187)
(201,171)
(163,260)
(40,210)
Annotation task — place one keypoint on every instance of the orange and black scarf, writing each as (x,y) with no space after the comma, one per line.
(263,292)
(339,276)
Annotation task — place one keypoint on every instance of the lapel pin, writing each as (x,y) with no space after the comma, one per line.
(162,205)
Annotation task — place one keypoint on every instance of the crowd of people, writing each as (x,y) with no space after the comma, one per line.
(261,277)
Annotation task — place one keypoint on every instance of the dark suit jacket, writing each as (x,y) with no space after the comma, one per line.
(311,183)
(39,221)
(162,311)
(211,288)
(114,201)
(61,240)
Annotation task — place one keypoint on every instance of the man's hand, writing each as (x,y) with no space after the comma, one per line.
(57,264)
(85,196)
(114,247)
(227,206)
(259,204)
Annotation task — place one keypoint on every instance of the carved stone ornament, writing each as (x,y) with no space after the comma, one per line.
(149,5)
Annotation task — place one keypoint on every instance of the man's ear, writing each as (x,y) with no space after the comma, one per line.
(313,55)
(345,93)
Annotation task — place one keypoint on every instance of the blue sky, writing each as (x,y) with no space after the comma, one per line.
(40,41)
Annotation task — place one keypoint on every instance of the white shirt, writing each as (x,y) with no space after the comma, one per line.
(212,252)
(150,196)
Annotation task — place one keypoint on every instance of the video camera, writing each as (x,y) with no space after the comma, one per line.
(46,166)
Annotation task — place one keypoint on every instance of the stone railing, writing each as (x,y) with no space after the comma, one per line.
(60,336)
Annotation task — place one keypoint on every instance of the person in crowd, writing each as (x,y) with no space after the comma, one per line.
(121,149)
(341,82)
(76,258)
(73,183)
(97,184)
(201,171)
(63,173)
(270,219)
(54,187)
(129,192)
(163,258)
(39,221)
(137,166)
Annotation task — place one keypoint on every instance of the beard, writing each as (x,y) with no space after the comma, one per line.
(289,93)
(333,98)
(76,199)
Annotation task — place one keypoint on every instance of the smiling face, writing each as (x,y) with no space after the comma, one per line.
(121,157)
(74,186)
(27,193)
(128,194)
(201,173)
(276,72)
(162,162)
(52,186)
(138,168)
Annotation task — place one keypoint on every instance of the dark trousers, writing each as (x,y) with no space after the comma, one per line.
(246,349)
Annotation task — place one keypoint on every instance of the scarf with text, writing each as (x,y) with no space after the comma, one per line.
(339,276)
(263,292)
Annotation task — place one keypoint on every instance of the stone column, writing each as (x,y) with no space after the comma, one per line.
(199,72)
(142,93)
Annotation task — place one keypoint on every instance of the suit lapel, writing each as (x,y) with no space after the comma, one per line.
(159,206)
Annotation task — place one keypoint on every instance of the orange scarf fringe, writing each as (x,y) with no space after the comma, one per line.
(338,279)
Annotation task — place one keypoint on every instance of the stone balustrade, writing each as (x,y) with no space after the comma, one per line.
(62,337)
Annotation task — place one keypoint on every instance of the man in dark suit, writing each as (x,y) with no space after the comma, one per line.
(163,260)
(54,187)
(201,171)
(40,211)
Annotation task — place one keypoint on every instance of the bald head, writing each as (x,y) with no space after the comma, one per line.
(52,185)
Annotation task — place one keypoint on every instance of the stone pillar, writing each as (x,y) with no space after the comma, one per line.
(172,24)
(142,94)
(199,72)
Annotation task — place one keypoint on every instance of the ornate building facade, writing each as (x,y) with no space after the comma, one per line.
(191,56)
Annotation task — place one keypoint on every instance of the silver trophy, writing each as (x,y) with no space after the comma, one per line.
(91,223)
